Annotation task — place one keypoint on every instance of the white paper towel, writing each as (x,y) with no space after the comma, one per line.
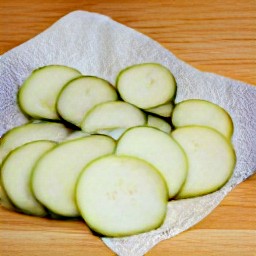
(97,45)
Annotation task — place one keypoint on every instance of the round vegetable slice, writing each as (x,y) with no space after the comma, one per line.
(164,110)
(159,123)
(76,135)
(82,94)
(114,133)
(202,113)
(15,174)
(146,85)
(111,115)
(211,159)
(31,132)
(121,195)
(55,174)
(5,201)
(159,149)
(38,95)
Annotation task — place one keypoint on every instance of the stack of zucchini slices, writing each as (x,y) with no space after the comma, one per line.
(114,155)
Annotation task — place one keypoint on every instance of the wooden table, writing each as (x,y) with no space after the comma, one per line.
(214,36)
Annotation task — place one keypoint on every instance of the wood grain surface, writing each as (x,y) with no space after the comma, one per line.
(213,36)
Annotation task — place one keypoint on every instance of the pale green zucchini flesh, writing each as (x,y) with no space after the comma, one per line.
(211,160)
(38,94)
(31,132)
(121,195)
(164,110)
(203,113)
(159,123)
(112,115)
(82,94)
(159,149)
(55,174)
(27,133)
(15,176)
(146,85)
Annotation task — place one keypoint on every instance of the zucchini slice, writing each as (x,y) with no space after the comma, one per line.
(112,115)
(31,132)
(115,133)
(4,199)
(55,174)
(121,195)
(159,124)
(202,113)
(26,133)
(80,95)
(77,134)
(211,159)
(146,85)
(38,95)
(159,149)
(164,110)
(15,175)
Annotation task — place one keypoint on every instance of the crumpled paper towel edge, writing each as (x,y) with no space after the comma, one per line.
(221,193)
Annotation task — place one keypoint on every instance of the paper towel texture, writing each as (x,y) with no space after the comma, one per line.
(97,45)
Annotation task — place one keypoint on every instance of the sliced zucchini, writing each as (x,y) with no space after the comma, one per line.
(159,149)
(31,132)
(55,174)
(159,124)
(146,85)
(15,174)
(77,134)
(121,195)
(112,115)
(4,200)
(202,113)
(115,133)
(211,159)
(38,95)
(164,110)
(36,130)
(80,95)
